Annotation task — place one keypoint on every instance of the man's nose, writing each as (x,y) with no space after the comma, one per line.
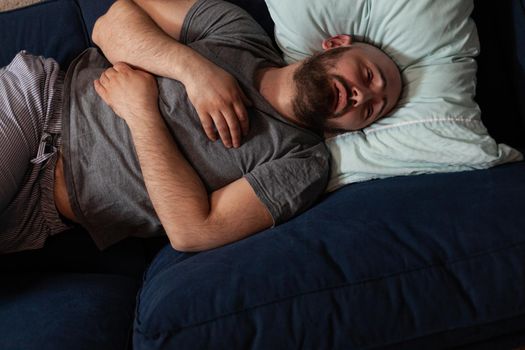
(361,95)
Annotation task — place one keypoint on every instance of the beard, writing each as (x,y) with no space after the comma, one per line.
(314,100)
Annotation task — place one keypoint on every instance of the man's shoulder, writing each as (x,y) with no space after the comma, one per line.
(224,24)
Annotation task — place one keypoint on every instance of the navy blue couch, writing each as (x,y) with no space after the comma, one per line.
(423,262)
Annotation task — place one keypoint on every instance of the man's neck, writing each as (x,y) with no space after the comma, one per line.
(276,86)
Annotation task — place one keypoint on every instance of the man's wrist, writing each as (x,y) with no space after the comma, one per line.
(186,65)
(141,120)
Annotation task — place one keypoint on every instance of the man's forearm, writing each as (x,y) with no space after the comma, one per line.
(175,189)
(193,219)
(145,37)
(128,34)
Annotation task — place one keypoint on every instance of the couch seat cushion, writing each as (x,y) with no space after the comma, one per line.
(432,258)
(66,311)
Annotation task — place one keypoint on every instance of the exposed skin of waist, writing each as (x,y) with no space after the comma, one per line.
(60,192)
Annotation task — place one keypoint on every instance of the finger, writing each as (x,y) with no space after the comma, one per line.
(208,126)
(121,67)
(103,79)
(245,121)
(223,129)
(101,90)
(110,73)
(234,127)
(242,115)
(245,98)
(106,77)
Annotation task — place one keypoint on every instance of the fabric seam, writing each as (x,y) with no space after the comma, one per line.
(337,287)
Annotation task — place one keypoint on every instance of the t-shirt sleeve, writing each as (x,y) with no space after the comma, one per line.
(288,186)
(222,22)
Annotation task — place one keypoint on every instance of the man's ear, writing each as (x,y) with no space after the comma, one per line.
(337,41)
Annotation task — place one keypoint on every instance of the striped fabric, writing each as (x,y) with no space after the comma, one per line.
(30,125)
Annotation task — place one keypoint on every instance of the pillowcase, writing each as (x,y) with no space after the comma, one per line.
(436,126)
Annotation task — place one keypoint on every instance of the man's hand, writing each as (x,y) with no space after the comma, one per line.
(144,34)
(193,219)
(219,102)
(129,92)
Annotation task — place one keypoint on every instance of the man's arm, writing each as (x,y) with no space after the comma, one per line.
(192,219)
(145,34)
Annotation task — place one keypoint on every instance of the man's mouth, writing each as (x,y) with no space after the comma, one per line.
(341,97)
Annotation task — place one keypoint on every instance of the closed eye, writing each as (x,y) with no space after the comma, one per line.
(369,75)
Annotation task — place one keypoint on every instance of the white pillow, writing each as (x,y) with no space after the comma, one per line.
(436,126)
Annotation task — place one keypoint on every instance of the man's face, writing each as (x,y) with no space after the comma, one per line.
(346,88)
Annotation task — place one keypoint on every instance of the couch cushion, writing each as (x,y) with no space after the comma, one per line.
(91,10)
(52,29)
(67,311)
(518,21)
(74,251)
(432,259)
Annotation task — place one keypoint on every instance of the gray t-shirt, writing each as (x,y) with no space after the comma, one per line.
(286,165)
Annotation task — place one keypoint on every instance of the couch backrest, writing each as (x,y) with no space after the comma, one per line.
(501,73)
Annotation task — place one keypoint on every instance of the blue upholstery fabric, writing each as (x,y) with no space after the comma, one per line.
(375,264)
(518,20)
(407,263)
(52,29)
(68,295)
(91,10)
(66,311)
(74,252)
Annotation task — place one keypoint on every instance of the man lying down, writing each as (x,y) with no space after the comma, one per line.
(122,153)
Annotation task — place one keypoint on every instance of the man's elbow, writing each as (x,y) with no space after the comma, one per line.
(183,247)
(100,28)
(184,244)
(101,23)
(96,35)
